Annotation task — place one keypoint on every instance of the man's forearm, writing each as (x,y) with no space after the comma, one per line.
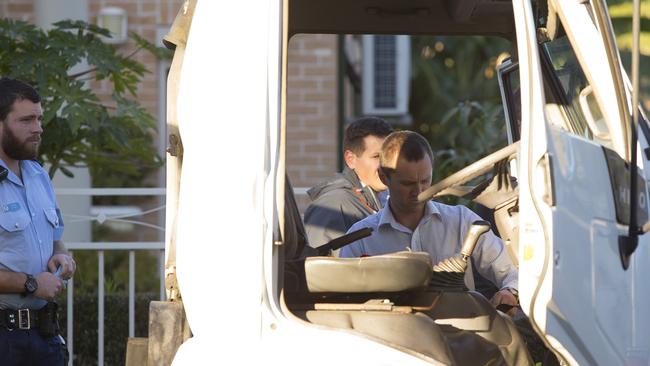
(12,282)
(59,247)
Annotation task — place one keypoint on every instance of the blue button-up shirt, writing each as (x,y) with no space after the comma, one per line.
(440,233)
(30,222)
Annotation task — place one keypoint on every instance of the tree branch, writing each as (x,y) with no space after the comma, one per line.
(81,73)
(102,105)
(93,69)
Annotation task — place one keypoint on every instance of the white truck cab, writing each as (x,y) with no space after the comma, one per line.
(234,239)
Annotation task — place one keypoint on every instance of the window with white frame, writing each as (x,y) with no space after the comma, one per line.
(386,71)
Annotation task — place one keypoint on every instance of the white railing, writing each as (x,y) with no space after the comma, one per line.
(101,247)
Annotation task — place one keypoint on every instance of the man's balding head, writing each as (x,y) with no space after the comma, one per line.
(407,145)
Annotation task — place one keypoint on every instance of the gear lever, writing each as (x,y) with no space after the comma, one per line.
(477,229)
(458,263)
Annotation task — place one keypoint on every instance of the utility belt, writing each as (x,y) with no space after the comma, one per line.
(44,320)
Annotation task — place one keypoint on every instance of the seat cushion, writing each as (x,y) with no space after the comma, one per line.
(393,272)
(415,332)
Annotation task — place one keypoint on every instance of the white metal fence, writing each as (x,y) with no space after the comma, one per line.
(102,217)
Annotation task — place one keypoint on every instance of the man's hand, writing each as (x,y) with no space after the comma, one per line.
(49,286)
(505,297)
(68,265)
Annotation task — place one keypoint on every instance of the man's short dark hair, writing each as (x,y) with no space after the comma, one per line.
(12,90)
(405,144)
(362,127)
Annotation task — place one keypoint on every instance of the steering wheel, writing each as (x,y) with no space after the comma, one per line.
(453,183)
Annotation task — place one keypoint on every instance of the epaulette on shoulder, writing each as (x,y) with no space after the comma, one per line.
(4,172)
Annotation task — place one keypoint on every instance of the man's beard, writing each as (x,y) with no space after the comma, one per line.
(15,149)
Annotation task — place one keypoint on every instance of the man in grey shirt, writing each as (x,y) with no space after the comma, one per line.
(354,193)
(432,227)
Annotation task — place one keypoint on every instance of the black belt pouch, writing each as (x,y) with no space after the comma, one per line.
(48,325)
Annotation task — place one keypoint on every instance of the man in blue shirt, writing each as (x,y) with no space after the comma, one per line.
(438,229)
(31,250)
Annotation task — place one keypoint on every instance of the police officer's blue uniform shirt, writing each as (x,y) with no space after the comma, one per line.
(30,222)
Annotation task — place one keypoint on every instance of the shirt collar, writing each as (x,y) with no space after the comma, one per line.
(386,215)
(431,209)
(352,177)
(26,169)
(30,168)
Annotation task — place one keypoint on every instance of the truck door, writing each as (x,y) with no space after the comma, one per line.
(574,202)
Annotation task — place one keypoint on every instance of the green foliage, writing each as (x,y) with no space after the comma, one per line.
(621,14)
(455,98)
(473,129)
(116,279)
(112,139)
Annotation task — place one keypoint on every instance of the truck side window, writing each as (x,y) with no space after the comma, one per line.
(508,74)
(572,91)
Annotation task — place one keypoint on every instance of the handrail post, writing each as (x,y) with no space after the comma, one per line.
(161,268)
(131,293)
(70,320)
(100,308)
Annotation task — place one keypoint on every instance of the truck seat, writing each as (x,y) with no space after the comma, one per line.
(401,271)
(383,296)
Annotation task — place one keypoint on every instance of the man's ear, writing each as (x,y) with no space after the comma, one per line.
(350,159)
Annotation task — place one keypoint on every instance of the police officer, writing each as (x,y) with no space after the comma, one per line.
(33,259)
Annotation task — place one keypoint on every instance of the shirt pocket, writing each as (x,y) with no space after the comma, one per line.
(52,217)
(13,222)
(13,229)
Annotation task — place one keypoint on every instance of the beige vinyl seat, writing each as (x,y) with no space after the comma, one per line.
(388,298)
(402,271)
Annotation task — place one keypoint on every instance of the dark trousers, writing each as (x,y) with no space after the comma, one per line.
(27,347)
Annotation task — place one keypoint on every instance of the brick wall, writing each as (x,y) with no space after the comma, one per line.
(145,18)
(17,9)
(312,146)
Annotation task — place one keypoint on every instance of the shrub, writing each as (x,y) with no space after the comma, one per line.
(116,325)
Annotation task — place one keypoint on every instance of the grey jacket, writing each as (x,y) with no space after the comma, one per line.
(336,205)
